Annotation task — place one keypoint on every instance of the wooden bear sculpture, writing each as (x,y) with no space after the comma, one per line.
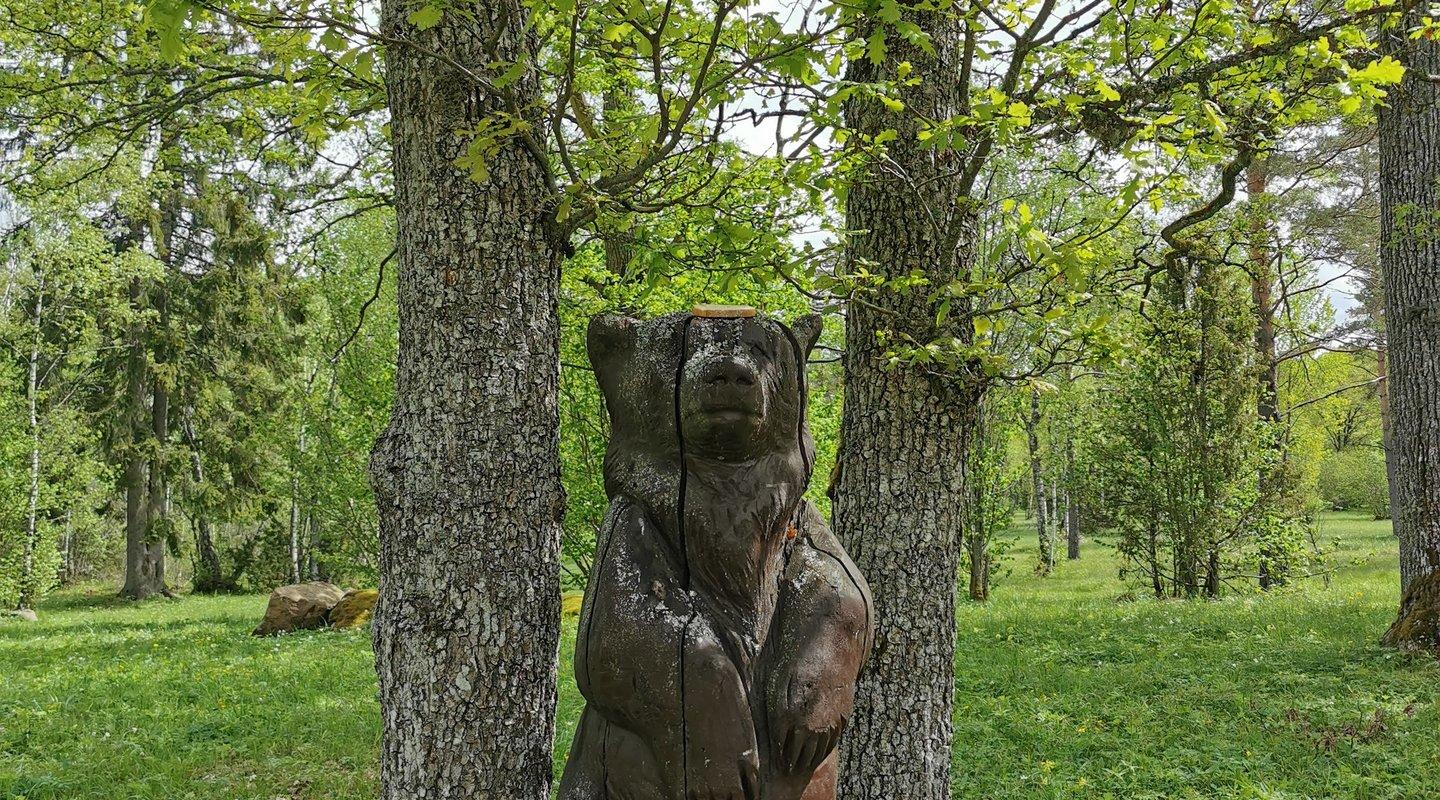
(724,627)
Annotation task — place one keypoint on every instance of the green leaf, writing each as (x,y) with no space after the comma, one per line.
(511,74)
(1386,70)
(875,47)
(426,17)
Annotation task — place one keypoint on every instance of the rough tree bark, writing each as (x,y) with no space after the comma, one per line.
(209,574)
(157,495)
(1267,400)
(466,475)
(976,534)
(1387,424)
(144,553)
(1046,560)
(145,470)
(1409,136)
(905,431)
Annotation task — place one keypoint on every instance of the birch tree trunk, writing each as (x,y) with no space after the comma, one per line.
(1409,136)
(28,587)
(1072,508)
(899,499)
(466,475)
(295,517)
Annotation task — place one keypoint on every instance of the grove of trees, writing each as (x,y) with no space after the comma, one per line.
(298,290)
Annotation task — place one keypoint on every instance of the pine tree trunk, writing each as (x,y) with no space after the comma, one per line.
(1409,135)
(906,431)
(157,495)
(209,574)
(466,475)
(144,554)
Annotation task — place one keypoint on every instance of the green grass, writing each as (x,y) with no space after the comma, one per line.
(1062,691)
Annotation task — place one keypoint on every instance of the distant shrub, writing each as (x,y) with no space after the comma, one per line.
(1354,480)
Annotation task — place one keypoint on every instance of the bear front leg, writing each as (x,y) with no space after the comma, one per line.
(648,660)
(722,757)
(823,635)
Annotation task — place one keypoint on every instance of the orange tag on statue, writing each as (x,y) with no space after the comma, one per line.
(708,311)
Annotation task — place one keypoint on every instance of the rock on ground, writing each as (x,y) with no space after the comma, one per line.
(354,609)
(299,606)
(26,614)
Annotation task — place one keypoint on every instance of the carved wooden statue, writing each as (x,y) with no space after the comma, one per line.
(724,626)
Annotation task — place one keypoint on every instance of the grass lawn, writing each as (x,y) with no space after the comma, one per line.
(1061,692)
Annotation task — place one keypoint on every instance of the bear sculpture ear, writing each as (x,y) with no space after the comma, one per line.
(608,340)
(807,332)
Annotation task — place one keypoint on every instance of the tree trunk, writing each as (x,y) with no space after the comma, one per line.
(905,430)
(466,475)
(144,553)
(315,567)
(1212,574)
(1157,584)
(157,494)
(1382,389)
(977,533)
(67,564)
(29,588)
(1267,409)
(209,574)
(979,545)
(295,518)
(1046,560)
(1072,509)
(1409,135)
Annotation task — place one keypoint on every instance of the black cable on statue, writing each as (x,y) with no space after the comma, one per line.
(684,556)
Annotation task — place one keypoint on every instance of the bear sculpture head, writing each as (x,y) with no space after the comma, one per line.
(733,388)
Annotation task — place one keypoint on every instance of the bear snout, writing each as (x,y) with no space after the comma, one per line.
(726,388)
(727,372)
